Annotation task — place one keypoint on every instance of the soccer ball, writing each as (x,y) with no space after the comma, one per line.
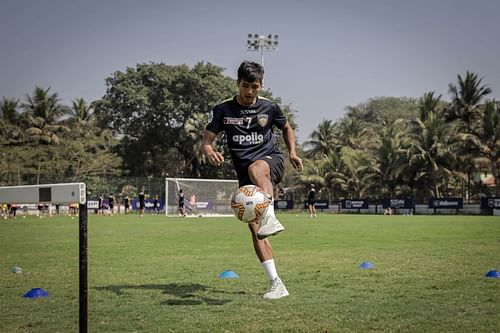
(249,202)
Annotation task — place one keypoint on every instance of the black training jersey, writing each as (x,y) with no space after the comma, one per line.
(312,194)
(249,129)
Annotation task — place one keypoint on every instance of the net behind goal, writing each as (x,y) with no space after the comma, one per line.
(202,197)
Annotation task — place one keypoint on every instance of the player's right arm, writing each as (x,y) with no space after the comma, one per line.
(213,157)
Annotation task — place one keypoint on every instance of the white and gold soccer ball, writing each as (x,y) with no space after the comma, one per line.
(249,203)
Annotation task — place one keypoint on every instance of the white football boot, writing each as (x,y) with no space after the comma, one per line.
(269,224)
(277,290)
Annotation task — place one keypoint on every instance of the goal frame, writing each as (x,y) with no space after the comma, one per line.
(177,180)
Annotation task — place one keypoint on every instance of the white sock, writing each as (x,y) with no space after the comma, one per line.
(270,269)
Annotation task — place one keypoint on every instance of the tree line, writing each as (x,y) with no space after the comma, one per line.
(150,121)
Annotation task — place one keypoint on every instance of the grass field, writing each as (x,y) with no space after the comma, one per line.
(160,275)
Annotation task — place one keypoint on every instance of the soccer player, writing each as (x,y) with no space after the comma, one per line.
(248,122)
(182,208)
(142,196)
(311,199)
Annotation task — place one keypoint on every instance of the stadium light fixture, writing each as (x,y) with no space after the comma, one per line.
(262,43)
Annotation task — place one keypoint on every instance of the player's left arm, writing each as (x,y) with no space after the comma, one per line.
(289,137)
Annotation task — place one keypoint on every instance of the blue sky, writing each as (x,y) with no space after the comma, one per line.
(332,54)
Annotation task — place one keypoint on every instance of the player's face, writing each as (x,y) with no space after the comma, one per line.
(248,92)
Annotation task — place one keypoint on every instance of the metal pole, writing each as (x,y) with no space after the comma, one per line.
(262,56)
(83,267)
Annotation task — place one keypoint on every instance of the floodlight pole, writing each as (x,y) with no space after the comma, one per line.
(256,42)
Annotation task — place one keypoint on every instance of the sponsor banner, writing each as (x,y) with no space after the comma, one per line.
(397,203)
(319,204)
(283,204)
(148,204)
(92,204)
(446,203)
(354,204)
(490,202)
(204,205)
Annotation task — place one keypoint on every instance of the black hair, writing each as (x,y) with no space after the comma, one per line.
(250,71)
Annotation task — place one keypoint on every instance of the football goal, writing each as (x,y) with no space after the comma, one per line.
(202,197)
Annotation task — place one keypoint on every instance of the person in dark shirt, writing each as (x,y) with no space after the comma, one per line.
(311,200)
(126,202)
(142,205)
(248,121)
(156,208)
(182,208)
(111,203)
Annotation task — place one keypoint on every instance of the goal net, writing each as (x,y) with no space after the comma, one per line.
(202,197)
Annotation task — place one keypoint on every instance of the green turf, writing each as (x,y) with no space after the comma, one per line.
(160,275)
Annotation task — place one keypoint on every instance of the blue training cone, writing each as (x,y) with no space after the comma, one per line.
(493,274)
(228,274)
(367,265)
(35,293)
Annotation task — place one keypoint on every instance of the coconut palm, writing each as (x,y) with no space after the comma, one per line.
(467,96)
(354,133)
(431,153)
(485,139)
(10,132)
(428,103)
(357,172)
(322,141)
(390,157)
(465,109)
(43,113)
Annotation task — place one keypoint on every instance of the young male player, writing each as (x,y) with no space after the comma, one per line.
(248,122)
(311,198)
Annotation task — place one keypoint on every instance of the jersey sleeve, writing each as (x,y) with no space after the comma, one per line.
(279,117)
(215,120)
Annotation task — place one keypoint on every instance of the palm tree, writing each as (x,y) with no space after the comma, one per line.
(467,96)
(428,103)
(390,158)
(194,127)
(354,133)
(10,132)
(81,113)
(357,172)
(322,141)
(43,112)
(431,152)
(485,139)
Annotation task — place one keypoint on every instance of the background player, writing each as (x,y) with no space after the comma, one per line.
(311,200)
(248,122)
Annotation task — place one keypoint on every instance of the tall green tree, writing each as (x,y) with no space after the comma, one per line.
(430,151)
(322,142)
(467,95)
(43,112)
(485,138)
(148,107)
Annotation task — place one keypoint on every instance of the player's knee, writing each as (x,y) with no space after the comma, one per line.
(258,169)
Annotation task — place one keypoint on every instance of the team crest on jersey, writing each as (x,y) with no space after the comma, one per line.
(262,119)
(233,121)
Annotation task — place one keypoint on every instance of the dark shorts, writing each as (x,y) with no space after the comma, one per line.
(276,167)
(312,202)
(141,205)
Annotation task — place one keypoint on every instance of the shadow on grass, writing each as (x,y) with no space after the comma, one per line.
(184,294)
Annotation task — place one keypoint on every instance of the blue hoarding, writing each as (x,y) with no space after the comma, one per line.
(354,204)
(446,203)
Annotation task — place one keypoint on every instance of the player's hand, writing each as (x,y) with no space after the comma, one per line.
(216,158)
(297,163)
